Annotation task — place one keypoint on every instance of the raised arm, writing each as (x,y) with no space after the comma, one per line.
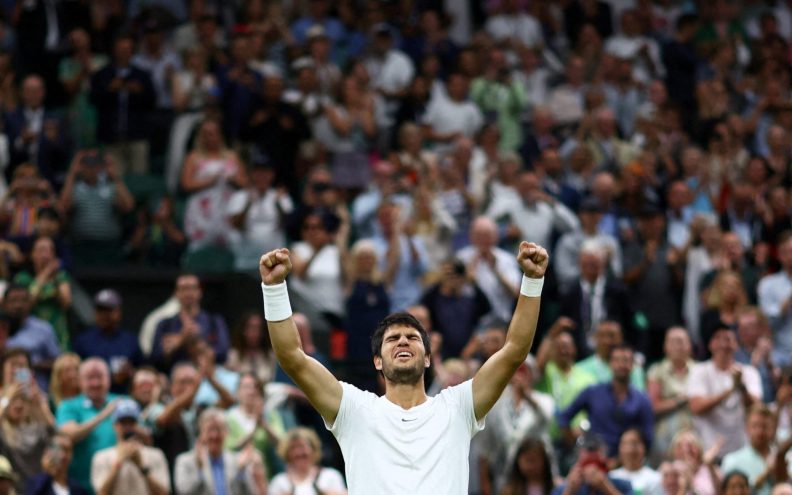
(320,386)
(495,373)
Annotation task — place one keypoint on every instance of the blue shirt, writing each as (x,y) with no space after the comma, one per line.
(610,419)
(407,287)
(37,337)
(110,346)
(80,409)
(213,329)
(218,475)
(625,487)
(207,395)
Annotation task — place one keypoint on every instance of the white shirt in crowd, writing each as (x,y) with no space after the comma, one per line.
(391,73)
(262,231)
(322,282)
(727,419)
(422,450)
(537,221)
(520,26)
(446,116)
(328,481)
(645,481)
(500,299)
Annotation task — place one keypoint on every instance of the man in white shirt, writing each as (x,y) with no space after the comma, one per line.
(447,119)
(405,441)
(516,28)
(632,45)
(720,391)
(391,70)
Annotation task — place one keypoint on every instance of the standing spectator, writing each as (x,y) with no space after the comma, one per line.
(632,456)
(86,420)
(191,319)
(94,196)
(258,214)
(107,340)
(129,466)
(65,379)
(514,27)
(210,469)
(682,62)
(594,297)
(701,254)
(35,134)
(720,391)
(211,172)
(754,459)
(251,349)
(75,73)
(239,86)
(123,94)
(50,288)
(666,385)
(318,15)
(19,213)
(157,239)
(302,451)
(447,119)
(26,424)
(755,347)
(725,298)
(491,267)
(614,406)
(27,332)
(390,69)
(775,299)
(608,335)
(160,61)
(54,478)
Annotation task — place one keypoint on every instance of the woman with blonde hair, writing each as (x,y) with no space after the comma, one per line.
(302,451)
(705,475)
(211,173)
(724,299)
(65,378)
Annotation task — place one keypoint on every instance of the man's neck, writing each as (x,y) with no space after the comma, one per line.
(406,396)
(620,388)
(723,363)
(192,310)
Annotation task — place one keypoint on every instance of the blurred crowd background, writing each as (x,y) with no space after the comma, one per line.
(152,150)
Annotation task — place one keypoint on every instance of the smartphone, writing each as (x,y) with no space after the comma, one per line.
(22,375)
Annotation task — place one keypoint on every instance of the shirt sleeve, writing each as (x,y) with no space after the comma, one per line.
(330,480)
(351,399)
(580,403)
(752,381)
(66,412)
(159,468)
(100,466)
(462,394)
(236,204)
(697,385)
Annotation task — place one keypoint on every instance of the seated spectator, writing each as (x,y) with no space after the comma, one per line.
(86,419)
(54,477)
(94,196)
(720,391)
(65,379)
(147,390)
(666,385)
(302,451)
(19,211)
(49,224)
(129,466)
(157,239)
(219,385)
(520,412)
(594,297)
(757,459)
(250,422)
(607,336)
(725,297)
(191,319)
(632,457)
(209,468)
(257,214)
(615,406)
(492,268)
(699,465)
(456,305)
(735,483)
(123,94)
(251,349)
(107,340)
(531,471)
(27,332)
(590,472)
(50,288)
(675,478)
(36,135)
(26,424)
(449,118)
(210,176)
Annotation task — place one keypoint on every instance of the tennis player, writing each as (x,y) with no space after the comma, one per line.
(403,443)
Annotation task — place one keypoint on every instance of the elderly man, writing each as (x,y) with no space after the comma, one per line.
(129,466)
(493,269)
(210,469)
(85,419)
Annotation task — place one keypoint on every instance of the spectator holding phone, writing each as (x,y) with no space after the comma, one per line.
(54,478)
(129,466)
(590,472)
(93,196)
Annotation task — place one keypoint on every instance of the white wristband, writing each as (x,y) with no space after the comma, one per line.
(531,287)
(276,302)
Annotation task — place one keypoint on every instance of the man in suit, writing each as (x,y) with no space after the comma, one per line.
(123,94)
(209,468)
(594,299)
(35,134)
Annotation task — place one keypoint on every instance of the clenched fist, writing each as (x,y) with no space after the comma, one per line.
(275,266)
(533,259)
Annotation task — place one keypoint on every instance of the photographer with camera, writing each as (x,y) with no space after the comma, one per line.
(129,466)
(94,196)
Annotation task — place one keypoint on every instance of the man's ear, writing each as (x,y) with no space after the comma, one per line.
(427,361)
(378,363)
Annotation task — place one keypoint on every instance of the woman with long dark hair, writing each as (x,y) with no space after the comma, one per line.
(531,470)
(251,349)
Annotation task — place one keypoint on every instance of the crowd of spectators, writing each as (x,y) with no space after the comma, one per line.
(401,149)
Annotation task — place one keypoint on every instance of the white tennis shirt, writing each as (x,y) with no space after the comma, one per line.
(422,450)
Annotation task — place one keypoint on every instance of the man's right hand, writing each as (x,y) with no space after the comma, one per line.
(275,266)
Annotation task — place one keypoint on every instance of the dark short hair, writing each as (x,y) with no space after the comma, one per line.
(397,319)
(620,347)
(10,353)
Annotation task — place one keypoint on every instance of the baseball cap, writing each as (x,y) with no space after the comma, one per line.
(126,409)
(107,298)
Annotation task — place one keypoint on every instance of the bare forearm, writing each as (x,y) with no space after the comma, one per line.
(286,344)
(522,329)
(703,405)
